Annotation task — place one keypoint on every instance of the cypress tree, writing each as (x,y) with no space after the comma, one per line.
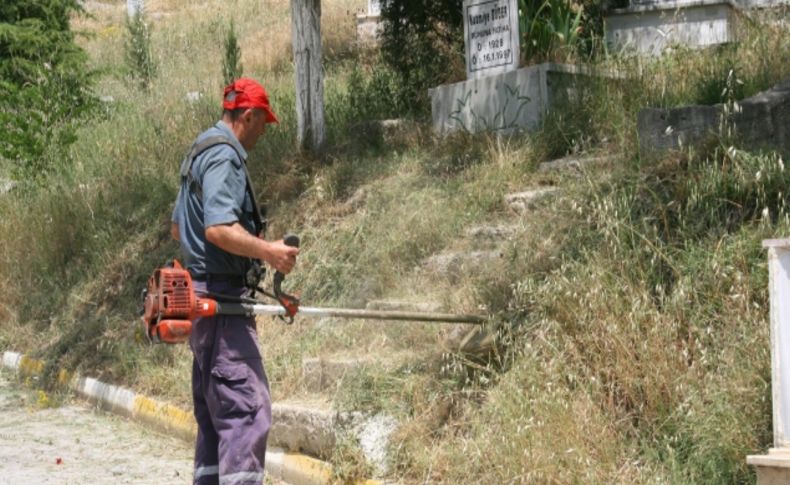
(231,63)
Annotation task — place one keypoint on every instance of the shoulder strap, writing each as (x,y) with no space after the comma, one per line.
(194,184)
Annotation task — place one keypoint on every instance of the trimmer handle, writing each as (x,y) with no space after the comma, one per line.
(289,240)
(289,302)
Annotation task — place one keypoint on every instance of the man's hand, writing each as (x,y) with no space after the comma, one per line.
(282,257)
(234,239)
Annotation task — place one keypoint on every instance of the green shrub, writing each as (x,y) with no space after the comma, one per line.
(139,55)
(549,29)
(375,94)
(44,82)
(231,63)
(423,42)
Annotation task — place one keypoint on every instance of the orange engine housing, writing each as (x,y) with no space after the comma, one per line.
(170,305)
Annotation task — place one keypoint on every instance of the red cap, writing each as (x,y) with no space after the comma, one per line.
(246,93)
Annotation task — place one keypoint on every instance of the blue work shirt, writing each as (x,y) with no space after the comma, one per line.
(225,200)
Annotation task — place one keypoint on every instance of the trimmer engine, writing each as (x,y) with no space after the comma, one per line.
(170,305)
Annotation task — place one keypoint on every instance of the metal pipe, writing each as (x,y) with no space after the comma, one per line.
(371,314)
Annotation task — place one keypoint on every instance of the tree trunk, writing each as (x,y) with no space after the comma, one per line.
(310,128)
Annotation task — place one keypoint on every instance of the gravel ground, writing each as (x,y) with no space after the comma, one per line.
(77,444)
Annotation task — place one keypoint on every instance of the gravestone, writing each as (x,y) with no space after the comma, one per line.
(310,125)
(491,36)
(135,7)
(369,24)
(773,468)
(374,7)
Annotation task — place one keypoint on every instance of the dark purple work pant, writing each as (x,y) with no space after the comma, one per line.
(231,397)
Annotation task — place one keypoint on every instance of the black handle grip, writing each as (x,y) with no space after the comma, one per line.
(289,240)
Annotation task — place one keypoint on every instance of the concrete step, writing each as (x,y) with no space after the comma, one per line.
(326,373)
(574,164)
(773,468)
(310,427)
(490,235)
(472,341)
(6,186)
(452,264)
(321,374)
(523,202)
(315,428)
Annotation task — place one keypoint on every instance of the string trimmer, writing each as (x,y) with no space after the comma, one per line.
(171,304)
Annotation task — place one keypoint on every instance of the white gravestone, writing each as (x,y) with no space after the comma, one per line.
(491,36)
(774,467)
(134,7)
(374,7)
(779,290)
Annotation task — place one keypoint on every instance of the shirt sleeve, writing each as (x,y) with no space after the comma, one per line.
(223,192)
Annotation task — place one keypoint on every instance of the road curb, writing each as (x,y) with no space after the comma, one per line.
(293,468)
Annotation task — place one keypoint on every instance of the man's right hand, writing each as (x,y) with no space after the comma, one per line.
(234,239)
(281,257)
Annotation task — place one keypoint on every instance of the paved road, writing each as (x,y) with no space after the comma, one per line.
(93,447)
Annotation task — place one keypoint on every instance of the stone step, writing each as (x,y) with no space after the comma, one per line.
(490,234)
(6,186)
(308,427)
(574,164)
(773,468)
(523,202)
(315,428)
(472,341)
(320,374)
(452,264)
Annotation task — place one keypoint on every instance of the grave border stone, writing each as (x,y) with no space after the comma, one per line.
(510,101)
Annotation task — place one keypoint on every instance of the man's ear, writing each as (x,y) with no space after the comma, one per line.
(248,115)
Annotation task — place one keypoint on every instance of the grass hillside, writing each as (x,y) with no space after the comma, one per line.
(631,308)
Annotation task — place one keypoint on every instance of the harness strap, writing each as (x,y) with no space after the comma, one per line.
(194,184)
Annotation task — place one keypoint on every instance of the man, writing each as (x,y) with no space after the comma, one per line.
(215,221)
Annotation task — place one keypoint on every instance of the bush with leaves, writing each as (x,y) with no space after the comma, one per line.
(549,28)
(422,40)
(44,84)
